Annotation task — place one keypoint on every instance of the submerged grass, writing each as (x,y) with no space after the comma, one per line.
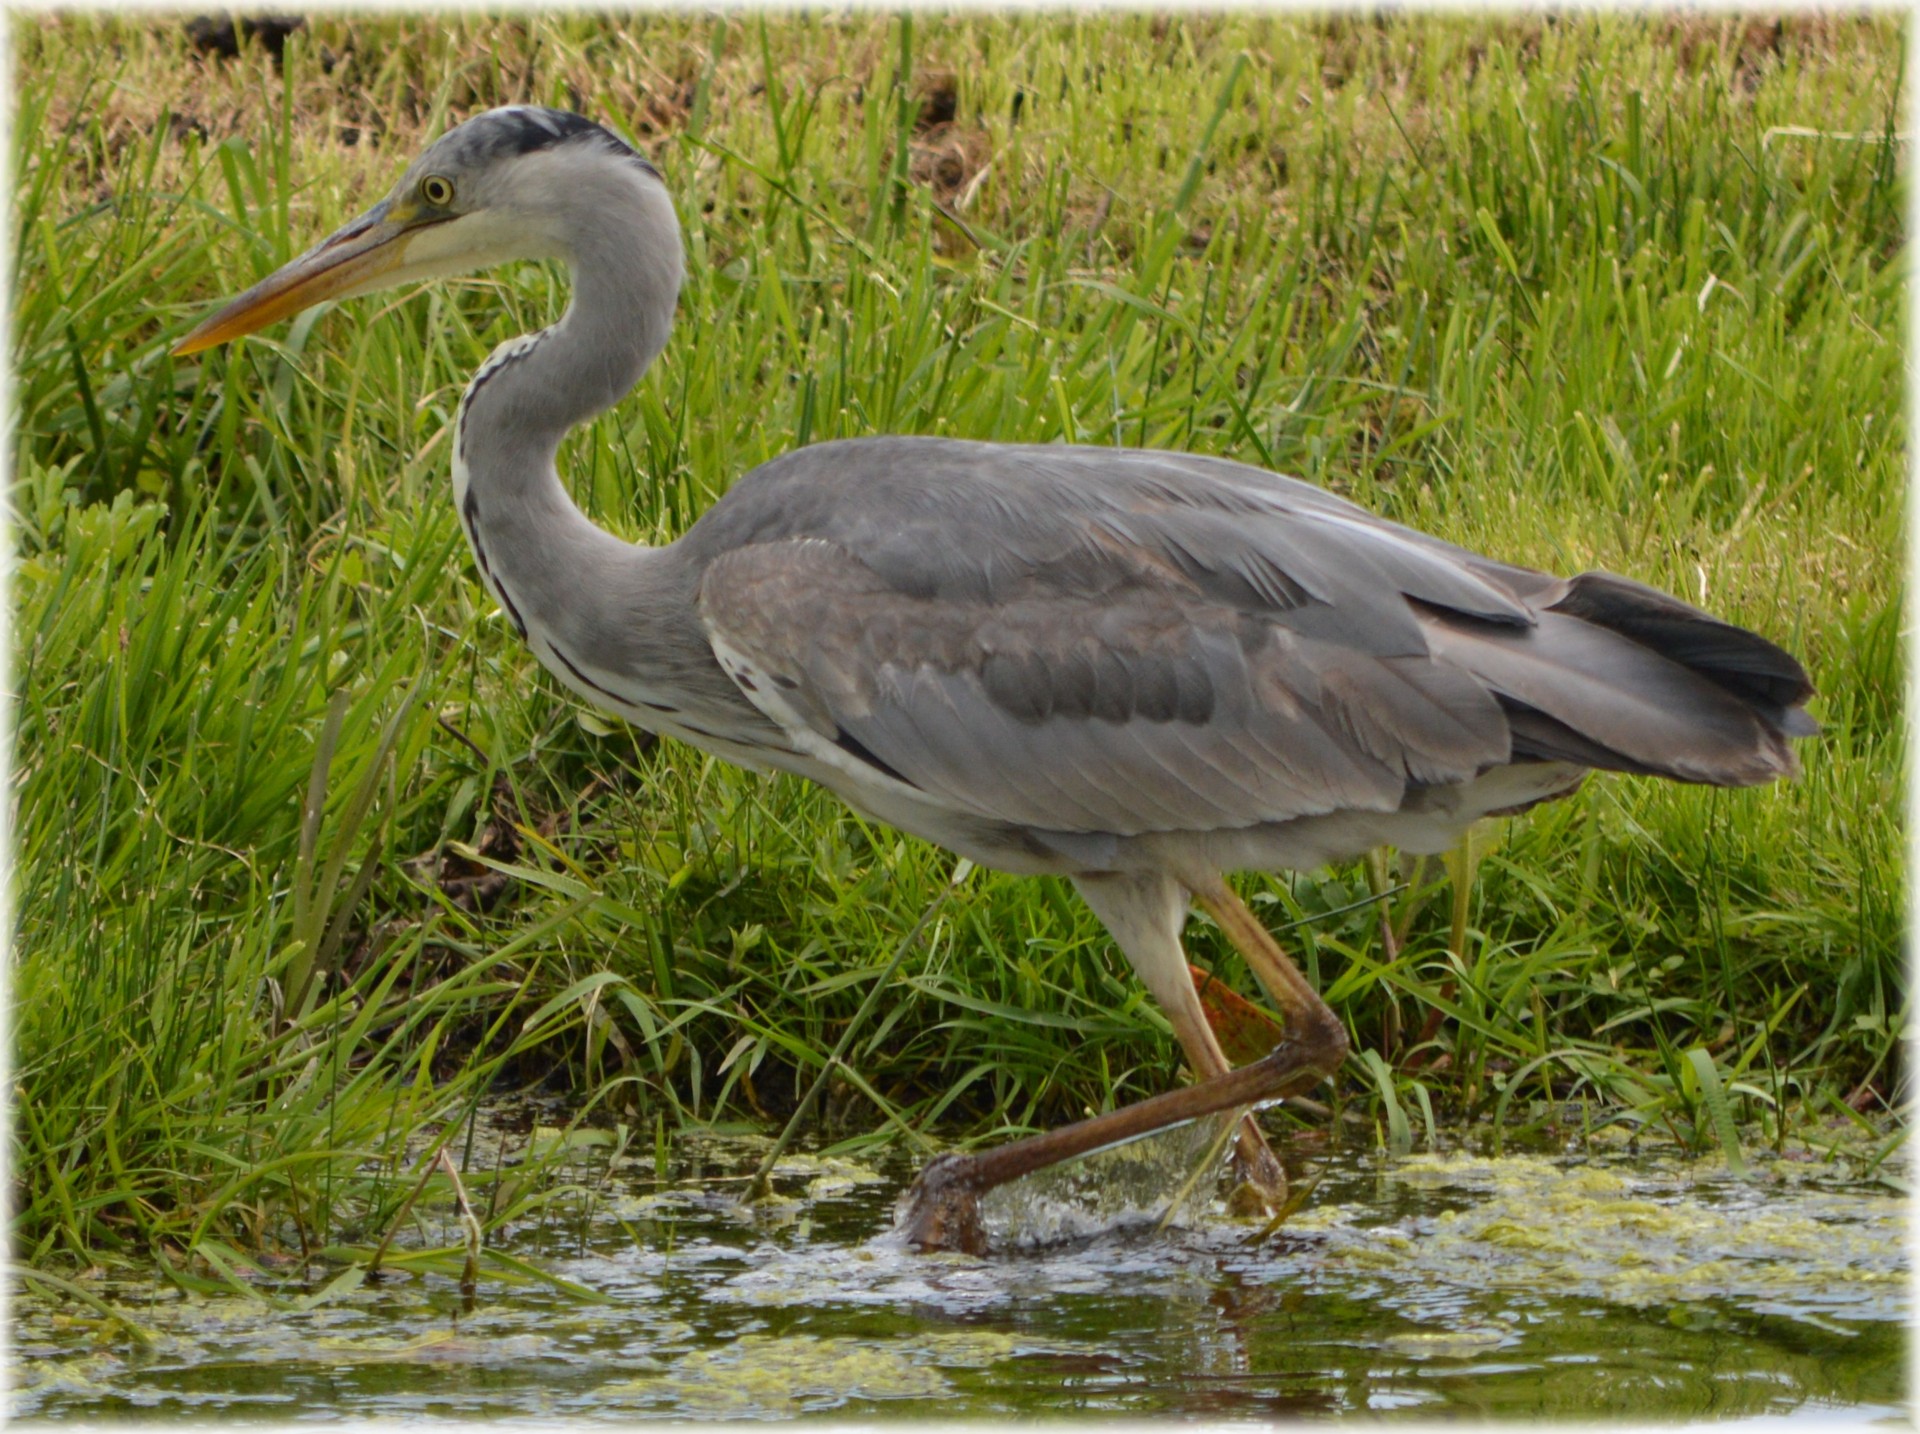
(309,860)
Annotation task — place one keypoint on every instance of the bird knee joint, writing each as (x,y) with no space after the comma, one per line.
(1323,1039)
(1330,1039)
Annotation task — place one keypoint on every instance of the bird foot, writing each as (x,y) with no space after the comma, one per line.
(941,1210)
(1260,1181)
(1248,1201)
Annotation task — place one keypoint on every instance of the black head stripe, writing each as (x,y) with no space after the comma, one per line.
(523,129)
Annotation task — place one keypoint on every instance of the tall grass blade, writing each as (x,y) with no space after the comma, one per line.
(1713,1095)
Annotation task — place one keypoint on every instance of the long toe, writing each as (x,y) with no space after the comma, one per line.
(941,1210)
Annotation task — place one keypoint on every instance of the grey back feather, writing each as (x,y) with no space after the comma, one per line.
(1119,641)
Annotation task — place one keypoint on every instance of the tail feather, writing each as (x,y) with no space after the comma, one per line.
(1540,738)
(1744,663)
(1651,689)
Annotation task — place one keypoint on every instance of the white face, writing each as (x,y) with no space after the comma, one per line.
(475,212)
(502,186)
(461,245)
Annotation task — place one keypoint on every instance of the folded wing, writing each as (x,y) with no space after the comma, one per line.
(1086,641)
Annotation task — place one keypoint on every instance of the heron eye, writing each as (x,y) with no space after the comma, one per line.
(437,191)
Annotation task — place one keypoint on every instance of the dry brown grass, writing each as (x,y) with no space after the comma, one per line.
(989,115)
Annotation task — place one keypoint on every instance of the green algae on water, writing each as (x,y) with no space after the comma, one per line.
(1655,1233)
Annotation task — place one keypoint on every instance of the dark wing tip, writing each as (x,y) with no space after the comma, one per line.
(1744,663)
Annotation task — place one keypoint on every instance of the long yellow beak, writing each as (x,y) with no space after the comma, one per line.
(354,260)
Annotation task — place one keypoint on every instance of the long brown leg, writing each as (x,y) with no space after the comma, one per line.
(941,1210)
(1300,1005)
(1146,915)
(1263,1178)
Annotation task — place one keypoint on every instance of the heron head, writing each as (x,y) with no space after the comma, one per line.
(506,184)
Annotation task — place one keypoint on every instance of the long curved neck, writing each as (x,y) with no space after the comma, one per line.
(623,244)
(616,622)
(544,559)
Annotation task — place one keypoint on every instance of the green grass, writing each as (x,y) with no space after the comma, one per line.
(1603,291)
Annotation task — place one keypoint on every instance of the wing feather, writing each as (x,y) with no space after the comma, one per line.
(1156,712)
(1112,641)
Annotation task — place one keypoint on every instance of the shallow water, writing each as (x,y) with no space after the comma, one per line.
(1598,1286)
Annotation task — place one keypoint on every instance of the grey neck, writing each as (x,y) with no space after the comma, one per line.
(544,558)
(623,244)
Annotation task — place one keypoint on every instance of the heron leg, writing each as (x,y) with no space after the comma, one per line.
(1145,915)
(1300,1005)
(941,1210)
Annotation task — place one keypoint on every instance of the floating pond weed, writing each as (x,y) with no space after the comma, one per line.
(1650,1286)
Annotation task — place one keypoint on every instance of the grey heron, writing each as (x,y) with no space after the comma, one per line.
(1138,670)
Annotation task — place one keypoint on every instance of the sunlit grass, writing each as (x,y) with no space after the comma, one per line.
(1602,291)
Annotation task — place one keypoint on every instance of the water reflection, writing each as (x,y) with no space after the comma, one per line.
(1459,1286)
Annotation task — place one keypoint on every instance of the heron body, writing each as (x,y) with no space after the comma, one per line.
(1135,669)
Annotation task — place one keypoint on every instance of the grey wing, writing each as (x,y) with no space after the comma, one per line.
(1107,641)
(1136,713)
